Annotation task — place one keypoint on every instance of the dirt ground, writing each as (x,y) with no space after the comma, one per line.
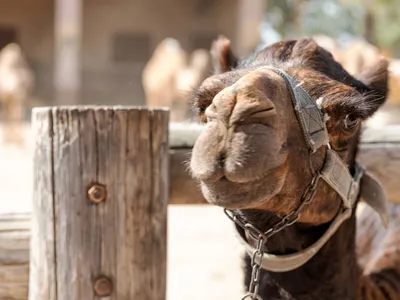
(203,253)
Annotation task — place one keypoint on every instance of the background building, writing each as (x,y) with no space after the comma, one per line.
(93,51)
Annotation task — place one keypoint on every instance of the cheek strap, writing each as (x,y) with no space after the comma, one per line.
(373,193)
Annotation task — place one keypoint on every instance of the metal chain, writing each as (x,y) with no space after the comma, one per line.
(262,237)
(255,273)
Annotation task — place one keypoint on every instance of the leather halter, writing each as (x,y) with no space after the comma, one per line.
(334,172)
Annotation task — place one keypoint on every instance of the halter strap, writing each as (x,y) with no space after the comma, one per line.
(308,114)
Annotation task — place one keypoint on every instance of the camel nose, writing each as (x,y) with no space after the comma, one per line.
(245,102)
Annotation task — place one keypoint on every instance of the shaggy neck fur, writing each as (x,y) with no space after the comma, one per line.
(331,274)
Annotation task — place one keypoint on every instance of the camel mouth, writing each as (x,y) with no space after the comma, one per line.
(230,195)
(241,166)
(243,195)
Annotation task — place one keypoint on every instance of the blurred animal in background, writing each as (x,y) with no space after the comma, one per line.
(394,81)
(158,76)
(189,78)
(16,83)
(358,55)
(170,75)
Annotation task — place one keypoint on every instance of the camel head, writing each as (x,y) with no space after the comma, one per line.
(252,153)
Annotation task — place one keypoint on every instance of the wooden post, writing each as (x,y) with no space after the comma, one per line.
(100,203)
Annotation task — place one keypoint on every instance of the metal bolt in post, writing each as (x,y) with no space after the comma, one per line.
(97,193)
(102,286)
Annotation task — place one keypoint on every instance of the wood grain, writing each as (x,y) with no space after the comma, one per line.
(42,277)
(122,238)
(14,256)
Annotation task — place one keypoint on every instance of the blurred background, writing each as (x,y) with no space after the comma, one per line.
(124,52)
(151,52)
(120,52)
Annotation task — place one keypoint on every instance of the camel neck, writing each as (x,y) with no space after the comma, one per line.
(332,273)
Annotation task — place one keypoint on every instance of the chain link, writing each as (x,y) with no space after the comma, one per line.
(255,273)
(262,237)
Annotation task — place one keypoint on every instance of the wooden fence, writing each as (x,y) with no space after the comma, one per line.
(101,189)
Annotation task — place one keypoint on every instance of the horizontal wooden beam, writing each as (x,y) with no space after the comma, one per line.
(183,189)
(379,153)
(184,135)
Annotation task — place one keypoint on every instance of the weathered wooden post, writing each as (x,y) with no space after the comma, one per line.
(100,203)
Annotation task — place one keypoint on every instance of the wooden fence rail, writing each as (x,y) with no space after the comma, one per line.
(91,251)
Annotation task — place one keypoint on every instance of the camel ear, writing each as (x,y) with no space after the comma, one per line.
(373,193)
(374,88)
(305,48)
(223,58)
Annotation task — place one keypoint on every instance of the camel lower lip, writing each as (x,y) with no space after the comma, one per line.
(231,195)
(226,179)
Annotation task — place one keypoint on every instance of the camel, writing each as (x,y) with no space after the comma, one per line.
(16,84)
(187,79)
(159,74)
(170,76)
(279,155)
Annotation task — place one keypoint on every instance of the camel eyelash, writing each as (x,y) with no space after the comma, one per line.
(202,99)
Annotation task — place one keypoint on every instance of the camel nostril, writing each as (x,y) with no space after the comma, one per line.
(253,112)
(221,160)
(262,113)
(258,116)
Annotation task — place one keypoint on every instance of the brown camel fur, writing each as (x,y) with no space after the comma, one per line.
(252,158)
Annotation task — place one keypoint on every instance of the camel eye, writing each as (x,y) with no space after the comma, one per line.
(350,122)
(200,110)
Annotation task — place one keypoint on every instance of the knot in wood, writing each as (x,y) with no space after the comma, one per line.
(102,286)
(97,193)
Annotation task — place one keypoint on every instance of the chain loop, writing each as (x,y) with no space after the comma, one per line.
(262,237)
